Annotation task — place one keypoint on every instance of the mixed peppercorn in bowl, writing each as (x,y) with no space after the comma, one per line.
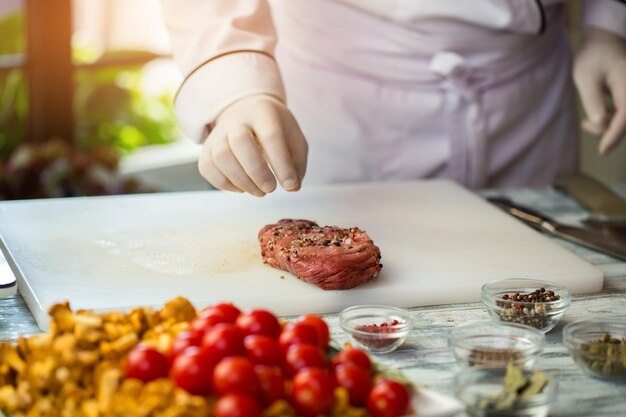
(534,303)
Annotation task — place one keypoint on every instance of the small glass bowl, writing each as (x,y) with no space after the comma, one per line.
(475,385)
(594,360)
(493,345)
(542,315)
(376,329)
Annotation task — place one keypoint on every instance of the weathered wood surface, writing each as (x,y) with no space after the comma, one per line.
(426,358)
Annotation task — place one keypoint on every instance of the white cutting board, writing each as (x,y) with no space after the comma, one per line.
(439,244)
(8,285)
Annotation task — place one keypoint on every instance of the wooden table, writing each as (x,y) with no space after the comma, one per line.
(425,356)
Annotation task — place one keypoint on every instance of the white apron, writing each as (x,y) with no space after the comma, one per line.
(386,101)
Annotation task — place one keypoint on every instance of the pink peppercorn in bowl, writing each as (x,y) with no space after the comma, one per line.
(534,303)
(376,329)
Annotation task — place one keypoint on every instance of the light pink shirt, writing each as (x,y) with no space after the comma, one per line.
(227,50)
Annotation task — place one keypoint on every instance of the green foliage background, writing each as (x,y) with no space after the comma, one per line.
(13,93)
(110,108)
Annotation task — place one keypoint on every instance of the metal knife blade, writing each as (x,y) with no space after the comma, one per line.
(604,204)
(610,244)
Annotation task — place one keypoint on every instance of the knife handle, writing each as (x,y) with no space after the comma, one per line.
(526,214)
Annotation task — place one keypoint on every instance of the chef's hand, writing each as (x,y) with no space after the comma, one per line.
(600,68)
(249,137)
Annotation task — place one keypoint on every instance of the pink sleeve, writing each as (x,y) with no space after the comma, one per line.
(609,15)
(225,50)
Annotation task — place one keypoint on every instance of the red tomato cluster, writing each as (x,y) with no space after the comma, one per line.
(246,358)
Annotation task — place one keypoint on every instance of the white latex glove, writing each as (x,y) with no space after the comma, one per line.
(600,68)
(249,137)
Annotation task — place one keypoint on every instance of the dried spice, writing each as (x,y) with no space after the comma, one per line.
(316,236)
(383,328)
(494,356)
(516,387)
(379,328)
(532,309)
(605,355)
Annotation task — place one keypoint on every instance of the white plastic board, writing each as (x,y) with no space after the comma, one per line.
(8,284)
(439,244)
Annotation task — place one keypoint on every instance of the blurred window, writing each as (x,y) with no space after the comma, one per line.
(100,81)
(13,94)
(125,79)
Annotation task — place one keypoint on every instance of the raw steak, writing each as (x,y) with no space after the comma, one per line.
(329,257)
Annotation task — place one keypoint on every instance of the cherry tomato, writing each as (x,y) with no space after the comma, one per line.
(224,339)
(356,380)
(202,324)
(323,334)
(272,383)
(259,322)
(183,340)
(192,370)
(312,392)
(236,374)
(237,405)
(388,398)
(262,350)
(146,364)
(354,355)
(298,333)
(227,310)
(301,355)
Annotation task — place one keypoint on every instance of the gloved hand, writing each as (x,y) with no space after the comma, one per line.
(600,68)
(250,136)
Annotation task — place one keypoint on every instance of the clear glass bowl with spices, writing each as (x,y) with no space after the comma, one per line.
(376,329)
(534,303)
(492,393)
(493,345)
(598,347)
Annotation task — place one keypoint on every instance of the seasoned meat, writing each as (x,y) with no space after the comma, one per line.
(330,257)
